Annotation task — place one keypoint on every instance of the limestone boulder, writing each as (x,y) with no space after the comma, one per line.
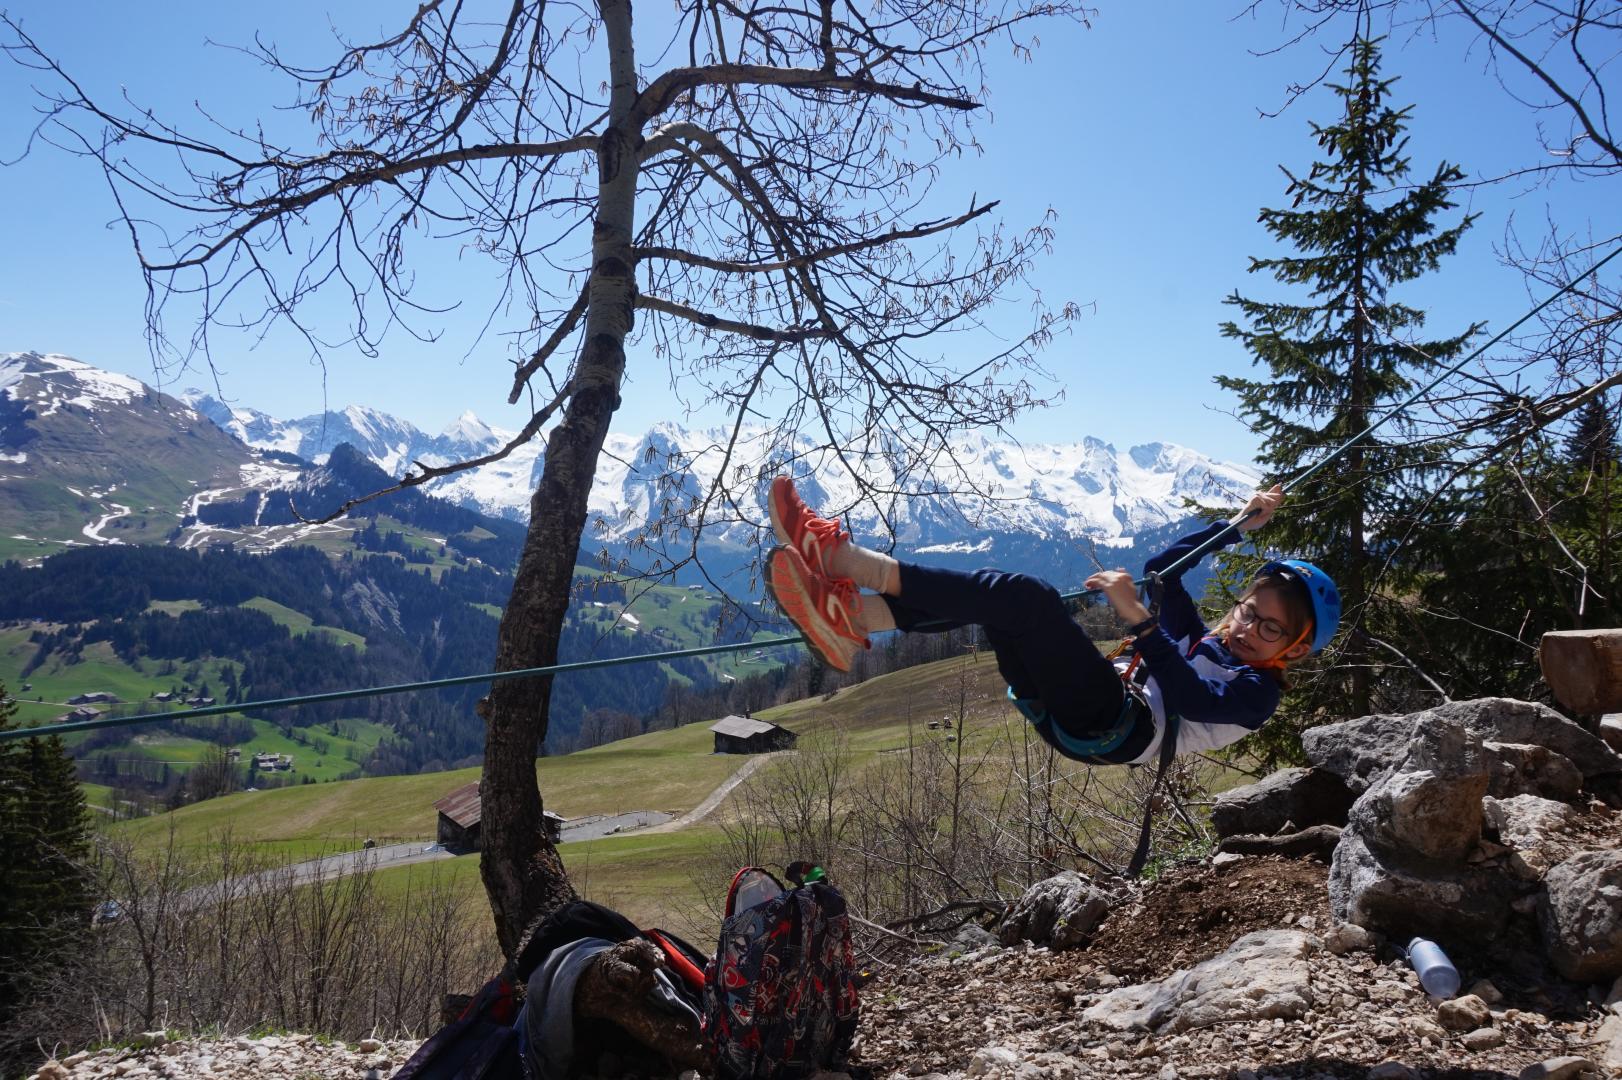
(1059,912)
(1261,976)
(1406,898)
(1359,751)
(1531,828)
(1506,720)
(1528,769)
(1298,797)
(1610,730)
(1428,811)
(1580,915)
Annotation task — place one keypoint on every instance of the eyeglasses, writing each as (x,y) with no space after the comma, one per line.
(1266,629)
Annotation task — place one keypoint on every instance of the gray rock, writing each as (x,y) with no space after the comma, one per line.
(1373,891)
(1610,730)
(1463,1013)
(973,936)
(1358,751)
(1428,810)
(1526,769)
(1261,976)
(992,1059)
(1486,991)
(1529,825)
(1305,797)
(1482,1039)
(1560,1068)
(1581,916)
(1348,937)
(369,1046)
(1058,912)
(1506,720)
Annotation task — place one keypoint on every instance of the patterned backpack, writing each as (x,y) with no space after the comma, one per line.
(781,1000)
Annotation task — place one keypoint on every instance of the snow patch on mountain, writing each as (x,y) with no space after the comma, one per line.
(1053,491)
(55,377)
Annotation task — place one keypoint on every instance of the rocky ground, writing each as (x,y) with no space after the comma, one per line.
(302,1057)
(1026,1013)
(1033,1014)
(1495,823)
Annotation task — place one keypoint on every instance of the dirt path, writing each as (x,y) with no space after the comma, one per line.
(703,809)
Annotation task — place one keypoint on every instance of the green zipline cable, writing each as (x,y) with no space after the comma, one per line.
(378,691)
(556,669)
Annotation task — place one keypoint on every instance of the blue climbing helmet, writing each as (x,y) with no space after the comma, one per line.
(1320,590)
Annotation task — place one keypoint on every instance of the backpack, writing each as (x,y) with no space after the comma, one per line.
(781,1001)
(487,1041)
(481,1044)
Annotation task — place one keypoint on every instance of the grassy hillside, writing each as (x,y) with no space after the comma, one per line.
(667,770)
(655,878)
(319,753)
(664,770)
(299,623)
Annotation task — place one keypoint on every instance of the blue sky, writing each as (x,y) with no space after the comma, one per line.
(1143,133)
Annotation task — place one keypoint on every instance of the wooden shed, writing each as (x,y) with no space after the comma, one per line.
(461,811)
(746,735)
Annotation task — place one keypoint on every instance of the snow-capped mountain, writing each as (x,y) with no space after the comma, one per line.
(392,443)
(1043,504)
(92,457)
(1059,491)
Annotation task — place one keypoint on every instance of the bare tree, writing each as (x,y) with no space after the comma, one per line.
(759,190)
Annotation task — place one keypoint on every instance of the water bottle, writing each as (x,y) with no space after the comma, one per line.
(1436,972)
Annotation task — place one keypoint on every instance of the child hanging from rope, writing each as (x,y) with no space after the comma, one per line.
(1216,686)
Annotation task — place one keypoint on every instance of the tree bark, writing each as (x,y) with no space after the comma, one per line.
(523,875)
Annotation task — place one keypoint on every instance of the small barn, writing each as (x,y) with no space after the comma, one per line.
(461,811)
(746,735)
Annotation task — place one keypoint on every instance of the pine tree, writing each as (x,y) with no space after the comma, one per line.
(45,904)
(1593,441)
(1357,226)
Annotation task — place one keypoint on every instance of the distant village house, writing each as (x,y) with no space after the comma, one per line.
(745,735)
(95,697)
(460,813)
(273,762)
(165,695)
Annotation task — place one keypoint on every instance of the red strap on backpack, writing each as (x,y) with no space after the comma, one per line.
(678,961)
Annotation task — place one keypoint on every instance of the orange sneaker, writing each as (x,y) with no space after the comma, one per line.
(797,526)
(825,611)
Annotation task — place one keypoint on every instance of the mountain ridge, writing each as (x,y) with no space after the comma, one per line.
(1083,490)
(1065,507)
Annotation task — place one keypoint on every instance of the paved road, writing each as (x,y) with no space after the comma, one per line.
(575,830)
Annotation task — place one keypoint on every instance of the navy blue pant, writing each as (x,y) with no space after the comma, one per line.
(1040,650)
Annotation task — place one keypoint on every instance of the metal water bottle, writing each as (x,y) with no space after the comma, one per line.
(1436,972)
